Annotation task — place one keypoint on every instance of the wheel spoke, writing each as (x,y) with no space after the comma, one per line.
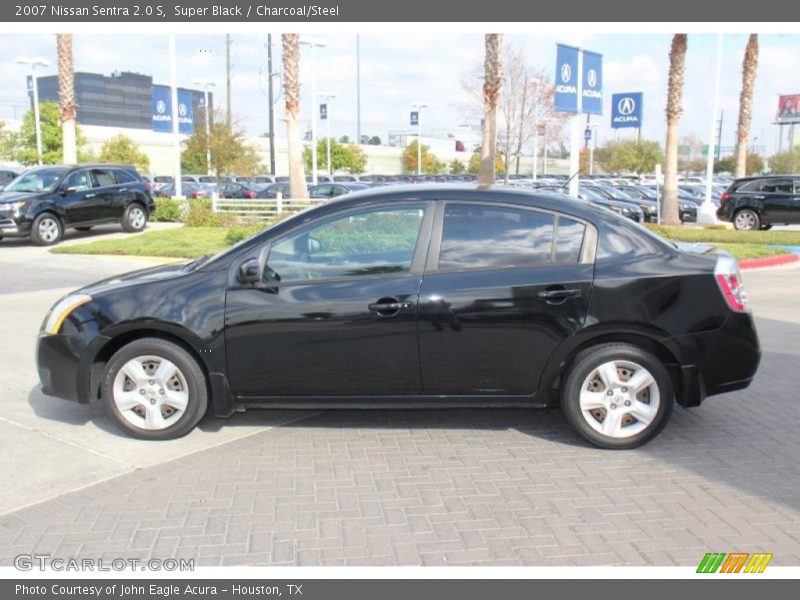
(608,374)
(644,413)
(176,399)
(641,380)
(165,371)
(135,371)
(127,400)
(612,424)
(153,418)
(592,400)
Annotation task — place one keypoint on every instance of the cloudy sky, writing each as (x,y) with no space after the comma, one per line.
(397,70)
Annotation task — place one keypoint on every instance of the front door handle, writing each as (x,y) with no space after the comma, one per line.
(389,307)
(558,294)
(91,195)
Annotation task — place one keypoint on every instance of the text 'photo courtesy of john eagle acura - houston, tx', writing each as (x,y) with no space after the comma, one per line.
(415,296)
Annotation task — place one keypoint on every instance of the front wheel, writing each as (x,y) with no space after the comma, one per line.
(135,218)
(617,396)
(154,389)
(46,230)
(747,220)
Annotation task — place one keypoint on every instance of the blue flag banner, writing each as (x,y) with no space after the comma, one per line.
(626,110)
(566,84)
(185,116)
(323,112)
(592,83)
(414,117)
(162,109)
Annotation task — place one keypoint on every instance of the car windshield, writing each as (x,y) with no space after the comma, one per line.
(37,180)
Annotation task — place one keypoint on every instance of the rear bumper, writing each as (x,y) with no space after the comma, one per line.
(723,360)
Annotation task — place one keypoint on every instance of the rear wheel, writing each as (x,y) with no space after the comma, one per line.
(617,396)
(135,218)
(747,220)
(46,230)
(154,389)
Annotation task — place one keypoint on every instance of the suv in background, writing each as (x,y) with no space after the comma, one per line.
(755,203)
(7,175)
(44,201)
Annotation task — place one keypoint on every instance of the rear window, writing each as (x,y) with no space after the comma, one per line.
(767,186)
(104,177)
(481,236)
(569,240)
(124,176)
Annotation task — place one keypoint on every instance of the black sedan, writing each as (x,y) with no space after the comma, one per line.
(445,296)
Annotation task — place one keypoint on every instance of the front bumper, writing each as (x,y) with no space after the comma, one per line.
(11,228)
(65,365)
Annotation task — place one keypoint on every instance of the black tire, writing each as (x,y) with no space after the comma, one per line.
(83,228)
(194,380)
(46,229)
(583,366)
(134,219)
(746,219)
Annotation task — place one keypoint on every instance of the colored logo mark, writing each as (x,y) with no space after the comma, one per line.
(734,562)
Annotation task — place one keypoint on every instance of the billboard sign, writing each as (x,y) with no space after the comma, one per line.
(323,112)
(626,110)
(592,84)
(788,109)
(414,117)
(566,84)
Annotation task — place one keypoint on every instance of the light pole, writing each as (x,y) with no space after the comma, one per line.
(592,127)
(34,62)
(707,214)
(419,106)
(328,97)
(207,83)
(314,44)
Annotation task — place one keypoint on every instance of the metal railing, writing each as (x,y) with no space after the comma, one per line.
(262,208)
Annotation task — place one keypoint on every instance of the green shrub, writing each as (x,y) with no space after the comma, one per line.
(726,236)
(167,211)
(237,234)
(200,214)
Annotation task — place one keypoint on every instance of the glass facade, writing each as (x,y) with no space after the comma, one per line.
(122,99)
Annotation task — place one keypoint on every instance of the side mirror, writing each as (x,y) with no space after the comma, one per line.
(250,271)
(68,190)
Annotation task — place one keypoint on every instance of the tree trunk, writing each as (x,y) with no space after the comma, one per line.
(291,91)
(677,68)
(493,73)
(749,68)
(66,97)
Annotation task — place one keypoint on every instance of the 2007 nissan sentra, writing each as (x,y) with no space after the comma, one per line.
(415,296)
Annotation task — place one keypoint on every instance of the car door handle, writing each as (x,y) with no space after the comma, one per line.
(122,190)
(90,195)
(386,307)
(559,294)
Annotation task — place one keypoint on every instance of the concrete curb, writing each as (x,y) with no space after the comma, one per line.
(768,261)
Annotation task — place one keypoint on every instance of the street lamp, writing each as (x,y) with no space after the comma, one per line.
(314,44)
(592,134)
(419,106)
(328,97)
(207,83)
(34,62)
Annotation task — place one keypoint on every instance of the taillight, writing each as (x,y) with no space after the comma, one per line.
(725,197)
(149,186)
(729,280)
(250,194)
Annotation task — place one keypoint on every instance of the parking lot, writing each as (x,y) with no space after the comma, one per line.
(409,487)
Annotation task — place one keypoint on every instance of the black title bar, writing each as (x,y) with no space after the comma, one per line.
(322,11)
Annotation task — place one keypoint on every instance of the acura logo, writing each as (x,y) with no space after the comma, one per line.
(182,110)
(161,108)
(626,106)
(591,78)
(566,73)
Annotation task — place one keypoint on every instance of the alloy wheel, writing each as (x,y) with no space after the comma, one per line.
(48,229)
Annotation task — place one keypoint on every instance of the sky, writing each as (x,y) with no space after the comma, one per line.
(398,70)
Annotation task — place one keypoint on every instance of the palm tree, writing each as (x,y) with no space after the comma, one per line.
(749,68)
(677,68)
(66,97)
(492,84)
(291,91)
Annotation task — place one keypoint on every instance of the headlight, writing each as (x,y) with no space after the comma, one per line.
(17,207)
(62,309)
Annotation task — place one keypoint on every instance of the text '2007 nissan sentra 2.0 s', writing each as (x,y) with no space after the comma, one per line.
(415,296)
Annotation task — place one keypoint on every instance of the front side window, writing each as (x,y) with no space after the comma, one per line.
(368,242)
(476,236)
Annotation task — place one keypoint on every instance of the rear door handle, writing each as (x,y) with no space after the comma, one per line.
(559,294)
(389,307)
(123,189)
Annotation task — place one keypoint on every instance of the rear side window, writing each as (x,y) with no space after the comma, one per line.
(482,236)
(569,240)
(104,177)
(124,176)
